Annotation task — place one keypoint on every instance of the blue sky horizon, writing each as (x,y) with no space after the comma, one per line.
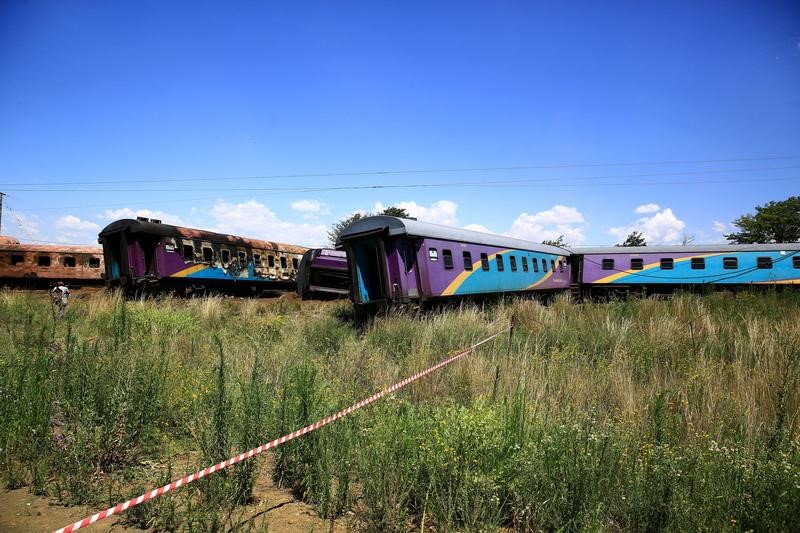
(521,118)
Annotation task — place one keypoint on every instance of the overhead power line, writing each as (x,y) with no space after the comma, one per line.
(85,181)
(517,182)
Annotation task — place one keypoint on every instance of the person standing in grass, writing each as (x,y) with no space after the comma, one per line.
(60,296)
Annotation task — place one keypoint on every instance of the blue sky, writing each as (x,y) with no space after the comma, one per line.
(188,111)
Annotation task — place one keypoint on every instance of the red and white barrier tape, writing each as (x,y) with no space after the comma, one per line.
(264,447)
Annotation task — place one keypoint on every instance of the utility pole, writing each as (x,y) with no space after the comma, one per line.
(1,212)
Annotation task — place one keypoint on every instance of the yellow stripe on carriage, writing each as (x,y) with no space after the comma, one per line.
(461,278)
(187,271)
(622,274)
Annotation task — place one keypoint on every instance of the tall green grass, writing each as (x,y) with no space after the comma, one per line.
(644,414)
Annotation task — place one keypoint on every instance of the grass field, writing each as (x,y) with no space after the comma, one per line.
(639,415)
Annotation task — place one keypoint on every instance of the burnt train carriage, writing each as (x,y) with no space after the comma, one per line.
(146,255)
(323,273)
(667,268)
(39,266)
(402,260)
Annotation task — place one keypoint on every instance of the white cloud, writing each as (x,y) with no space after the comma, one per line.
(126,212)
(73,229)
(662,227)
(310,208)
(255,220)
(478,227)
(441,212)
(647,208)
(550,224)
(719,227)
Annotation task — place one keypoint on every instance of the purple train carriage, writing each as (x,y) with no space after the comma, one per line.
(394,260)
(654,269)
(146,255)
(323,274)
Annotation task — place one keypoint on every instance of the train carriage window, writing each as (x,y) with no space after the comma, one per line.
(257,260)
(270,261)
(524,264)
(667,263)
(69,261)
(433,255)
(17,259)
(93,262)
(243,258)
(730,263)
(500,265)
(283,262)
(535,263)
(544,265)
(44,261)
(796,262)
(552,265)
(513,261)
(467,260)
(637,263)
(698,263)
(208,254)
(188,252)
(561,265)
(294,263)
(447,256)
(764,262)
(226,256)
(484,261)
(607,264)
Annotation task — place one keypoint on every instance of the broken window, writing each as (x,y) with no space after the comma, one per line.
(44,261)
(17,259)
(188,252)
(69,261)
(208,254)
(243,258)
(283,262)
(93,262)
(294,263)
(257,260)
(226,256)
(270,261)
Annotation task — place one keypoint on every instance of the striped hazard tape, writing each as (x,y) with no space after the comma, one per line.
(264,447)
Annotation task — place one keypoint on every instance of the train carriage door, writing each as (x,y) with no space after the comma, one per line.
(369,270)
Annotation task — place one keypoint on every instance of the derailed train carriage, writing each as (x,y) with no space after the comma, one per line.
(394,260)
(323,274)
(664,269)
(37,266)
(145,255)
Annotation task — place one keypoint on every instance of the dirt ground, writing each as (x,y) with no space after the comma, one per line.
(21,511)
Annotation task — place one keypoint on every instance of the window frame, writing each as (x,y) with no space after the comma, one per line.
(498,259)
(466,255)
(512,261)
(70,261)
(447,259)
(205,257)
(257,260)
(607,263)
(535,264)
(484,261)
(44,261)
(187,247)
(90,260)
(697,263)
(764,263)
(524,263)
(17,259)
(667,263)
(637,263)
(730,263)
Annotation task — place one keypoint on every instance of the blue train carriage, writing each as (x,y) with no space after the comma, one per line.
(666,268)
(395,260)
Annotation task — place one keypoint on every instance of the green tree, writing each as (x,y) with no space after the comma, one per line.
(772,222)
(634,239)
(560,242)
(338,227)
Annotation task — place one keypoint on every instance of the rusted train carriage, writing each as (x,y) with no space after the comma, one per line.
(40,266)
(147,255)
